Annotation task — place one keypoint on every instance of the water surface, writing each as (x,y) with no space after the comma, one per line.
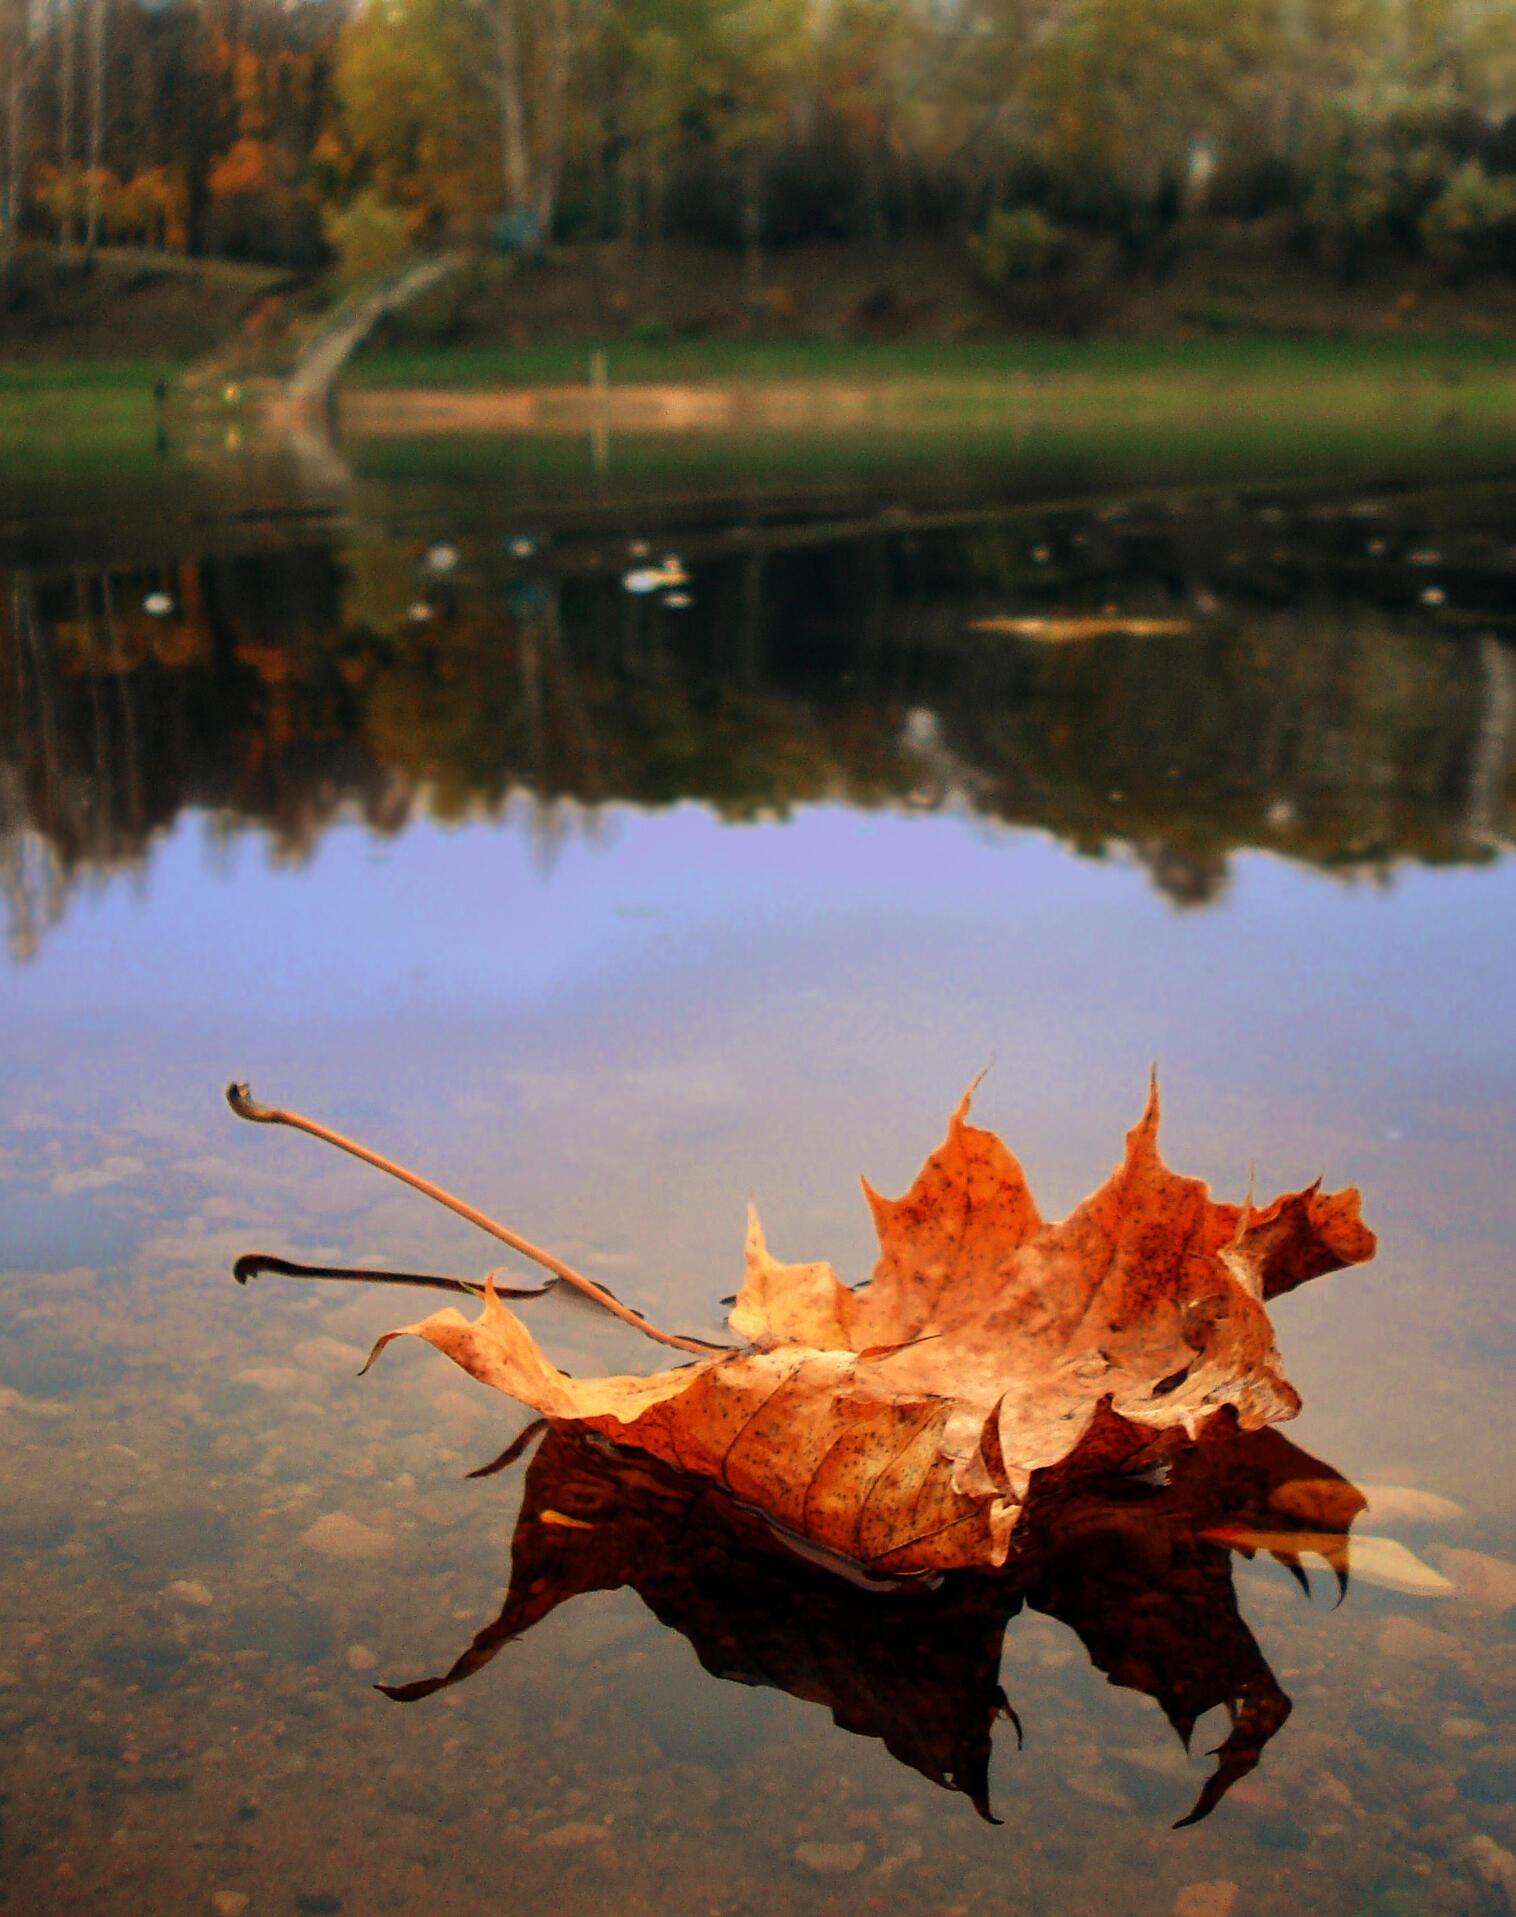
(611,912)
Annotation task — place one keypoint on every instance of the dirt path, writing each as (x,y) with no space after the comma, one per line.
(326,353)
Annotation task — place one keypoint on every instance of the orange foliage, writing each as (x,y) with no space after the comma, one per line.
(248,93)
(246,167)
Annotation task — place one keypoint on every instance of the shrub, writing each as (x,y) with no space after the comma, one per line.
(1373,178)
(1471,225)
(367,236)
(1017,247)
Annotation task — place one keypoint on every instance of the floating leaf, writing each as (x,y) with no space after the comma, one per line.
(903,1426)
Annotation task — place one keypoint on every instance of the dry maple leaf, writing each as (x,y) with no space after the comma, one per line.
(903,1426)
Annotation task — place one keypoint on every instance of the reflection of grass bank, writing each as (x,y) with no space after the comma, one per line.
(1139,366)
(1036,419)
(1037,446)
(92,414)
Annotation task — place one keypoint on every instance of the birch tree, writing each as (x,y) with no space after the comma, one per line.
(96,37)
(16,74)
(65,39)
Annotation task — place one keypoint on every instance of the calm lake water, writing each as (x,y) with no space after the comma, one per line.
(608,911)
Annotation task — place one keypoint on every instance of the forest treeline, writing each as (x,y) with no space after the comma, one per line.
(293,131)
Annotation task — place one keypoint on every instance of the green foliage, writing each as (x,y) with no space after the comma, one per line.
(367,236)
(411,78)
(1374,176)
(1018,246)
(1471,225)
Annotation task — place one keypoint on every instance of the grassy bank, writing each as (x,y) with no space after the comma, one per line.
(97,413)
(1104,363)
(128,306)
(681,311)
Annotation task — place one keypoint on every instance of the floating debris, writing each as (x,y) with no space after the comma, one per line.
(521,547)
(668,574)
(159,604)
(421,612)
(677,601)
(440,559)
(1054,631)
(1433,596)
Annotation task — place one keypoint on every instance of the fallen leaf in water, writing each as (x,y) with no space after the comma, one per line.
(1053,631)
(903,1426)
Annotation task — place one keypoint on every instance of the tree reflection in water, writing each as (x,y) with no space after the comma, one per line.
(1309,706)
(1127,1564)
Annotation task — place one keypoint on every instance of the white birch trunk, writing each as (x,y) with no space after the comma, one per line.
(97,33)
(65,27)
(515,162)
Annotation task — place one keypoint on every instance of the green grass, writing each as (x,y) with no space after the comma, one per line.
(717,361)
(50,381)
(93,414)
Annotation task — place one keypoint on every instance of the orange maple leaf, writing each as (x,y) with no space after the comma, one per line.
(904,1426)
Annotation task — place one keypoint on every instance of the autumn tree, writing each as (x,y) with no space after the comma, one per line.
(417,110)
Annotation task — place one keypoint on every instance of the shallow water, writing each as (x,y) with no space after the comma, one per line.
(609,913)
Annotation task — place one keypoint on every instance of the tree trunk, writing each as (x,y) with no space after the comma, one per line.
(16,45)
(752,230)
(65,27)
(96,24)
(552,122)
(515,162)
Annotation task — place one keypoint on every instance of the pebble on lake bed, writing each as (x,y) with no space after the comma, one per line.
(1406,1637)
(1489,1583)
(229,1903)
(570,1836)
(360,1658)
(830,1860)
(271,1377)
(1496,1866)
(339,1536)
(189,1591)
(1206,1900)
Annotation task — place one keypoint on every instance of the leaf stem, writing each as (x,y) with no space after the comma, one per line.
(255,1264)
(242,1102)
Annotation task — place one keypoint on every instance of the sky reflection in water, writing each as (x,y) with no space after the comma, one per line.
(610,915)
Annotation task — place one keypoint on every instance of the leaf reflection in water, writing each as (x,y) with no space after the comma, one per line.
(1132,1567)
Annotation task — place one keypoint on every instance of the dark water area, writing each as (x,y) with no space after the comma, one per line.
(611,908)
